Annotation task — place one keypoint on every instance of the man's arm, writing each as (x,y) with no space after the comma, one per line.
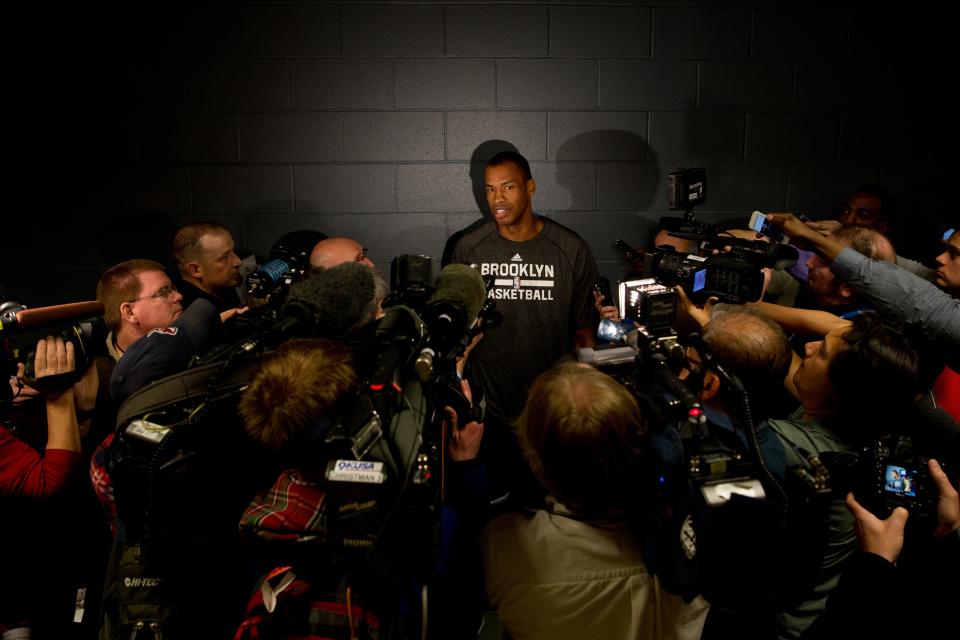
(583,312)
(806,321)
(894,292)
(25,472)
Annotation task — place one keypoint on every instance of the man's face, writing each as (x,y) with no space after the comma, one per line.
(822,282)
(948,266)
(219,265)
(508,194)
(158,304)
(812,376)
(863,210)
(333,251)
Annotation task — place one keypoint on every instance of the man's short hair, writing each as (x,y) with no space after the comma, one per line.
(887,202)
(582,434)
(121,283)
(878,375)
(512,156)
(752,347)
(186,242)
(291,401)
(870,243)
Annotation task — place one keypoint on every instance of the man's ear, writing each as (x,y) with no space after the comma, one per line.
(194,270)
(711,385)
(127,313)
(531,187)
(845,291)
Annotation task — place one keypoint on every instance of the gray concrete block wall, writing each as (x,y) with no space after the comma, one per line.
(370,118)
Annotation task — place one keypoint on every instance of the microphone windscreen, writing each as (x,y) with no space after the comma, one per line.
(463,287)
(339,298)
(30,318)
(785,256)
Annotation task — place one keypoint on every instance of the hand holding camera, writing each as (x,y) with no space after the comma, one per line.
(885,537)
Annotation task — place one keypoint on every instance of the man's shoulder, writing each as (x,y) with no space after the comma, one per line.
(561,235)
(477,233)
(809,434)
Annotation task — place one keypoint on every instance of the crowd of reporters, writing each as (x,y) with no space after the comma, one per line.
(876,361)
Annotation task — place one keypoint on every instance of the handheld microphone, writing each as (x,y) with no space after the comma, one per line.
(450,315)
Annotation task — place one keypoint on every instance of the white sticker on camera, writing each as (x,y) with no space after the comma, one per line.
(356,471)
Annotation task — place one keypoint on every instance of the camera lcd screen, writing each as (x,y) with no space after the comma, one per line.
(699,280)
(758,223)
(899,481)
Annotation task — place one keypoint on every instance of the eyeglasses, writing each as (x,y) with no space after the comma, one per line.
(159,294)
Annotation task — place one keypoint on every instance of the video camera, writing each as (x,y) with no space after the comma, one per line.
(729,278)
(723,266)
(80,323)
(719,519)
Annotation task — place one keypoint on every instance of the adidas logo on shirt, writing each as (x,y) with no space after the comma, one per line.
(516,258)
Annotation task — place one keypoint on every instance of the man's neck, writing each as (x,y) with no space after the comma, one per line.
(125,338)
(199,285)
(526,228)
(817,413)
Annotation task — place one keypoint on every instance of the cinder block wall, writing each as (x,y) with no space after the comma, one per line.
(372,120)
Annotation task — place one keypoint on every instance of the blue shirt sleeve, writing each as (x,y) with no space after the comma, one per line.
(905,297)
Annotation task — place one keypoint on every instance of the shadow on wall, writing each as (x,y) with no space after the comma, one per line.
(611,178)
(478,164)
(49,261)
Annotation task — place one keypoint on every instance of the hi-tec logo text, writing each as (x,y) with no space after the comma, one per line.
(136,583)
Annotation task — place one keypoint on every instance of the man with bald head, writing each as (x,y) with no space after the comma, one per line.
(333,251)
(831,292)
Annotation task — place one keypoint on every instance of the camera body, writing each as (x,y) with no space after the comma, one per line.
(80,323)
(411,281)
(733,280)
(892,474)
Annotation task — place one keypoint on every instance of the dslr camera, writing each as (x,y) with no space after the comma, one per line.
(892,474)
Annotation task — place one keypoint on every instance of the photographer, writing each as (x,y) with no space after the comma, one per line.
(856,384)
(36,590)
(922,607)
(574,569)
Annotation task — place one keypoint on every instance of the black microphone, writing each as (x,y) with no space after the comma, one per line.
(334,301)
(450,314)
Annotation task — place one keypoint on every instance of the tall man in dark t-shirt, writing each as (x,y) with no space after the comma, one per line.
(543,276)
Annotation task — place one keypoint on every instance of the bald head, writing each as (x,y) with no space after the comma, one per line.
(752,347)
(333,251)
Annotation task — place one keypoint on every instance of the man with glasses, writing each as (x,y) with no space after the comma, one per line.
(333,251)
(151,336)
